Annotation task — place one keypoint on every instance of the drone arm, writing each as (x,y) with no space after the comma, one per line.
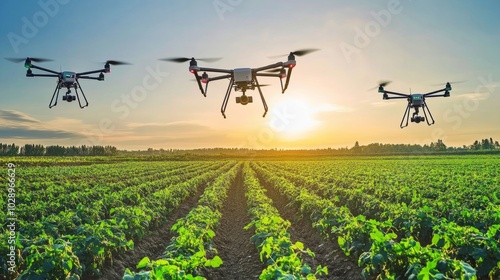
(395,97)
(44,69)
(90,78)
(434,92)
(268,67)
(397,93)
(90,72)
(219,78)
(216,70)
(268,75)
(41,75)
(441,95)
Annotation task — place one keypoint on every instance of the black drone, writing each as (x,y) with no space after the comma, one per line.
(415,101)
(66,79)
(242,79)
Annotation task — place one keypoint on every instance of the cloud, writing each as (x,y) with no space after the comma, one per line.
(27,133)
(15,116)
(18,125)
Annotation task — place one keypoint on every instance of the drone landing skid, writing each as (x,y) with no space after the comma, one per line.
(243,90)
(415,117)
(68,97)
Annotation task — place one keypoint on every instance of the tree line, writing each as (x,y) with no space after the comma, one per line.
(56,150)
(438,146)
(484,145)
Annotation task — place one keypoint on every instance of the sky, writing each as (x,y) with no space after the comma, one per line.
(332,100)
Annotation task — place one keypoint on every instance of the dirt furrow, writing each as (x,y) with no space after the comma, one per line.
(240,257)
(328,252)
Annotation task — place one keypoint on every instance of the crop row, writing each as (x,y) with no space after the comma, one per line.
(191,248)
(277,251)
(74,241)
(382,252)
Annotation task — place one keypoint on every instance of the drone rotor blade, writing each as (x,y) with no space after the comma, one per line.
(453,82)
(297,53)
(304,52)
(40,59)
(380,84)
(184,59)
(212,59)
(34,59)
(15,60)
(116,62)
(176,59)
(384,83)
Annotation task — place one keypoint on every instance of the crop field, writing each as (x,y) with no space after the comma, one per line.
(419,217)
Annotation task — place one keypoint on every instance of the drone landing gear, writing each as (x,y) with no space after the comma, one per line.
(226,98)
(68,97)
(244,99)
(415,117)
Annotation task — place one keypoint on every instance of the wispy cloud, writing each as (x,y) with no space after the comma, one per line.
(18,125)
(16,116)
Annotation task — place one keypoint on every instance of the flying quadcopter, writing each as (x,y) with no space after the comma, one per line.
(242,79)
(415,101)
(66,79)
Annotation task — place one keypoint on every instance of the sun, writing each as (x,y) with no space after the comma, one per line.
(293,118)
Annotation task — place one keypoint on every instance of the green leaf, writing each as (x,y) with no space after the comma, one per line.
(143,263)
(299,245)
(306,269)
(215,262)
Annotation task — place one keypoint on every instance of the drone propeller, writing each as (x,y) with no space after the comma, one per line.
(34,59)
(297,53)
(453,82)
(381,84)
(115,62)
(184,59)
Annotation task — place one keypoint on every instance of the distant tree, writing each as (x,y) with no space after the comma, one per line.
(476,145)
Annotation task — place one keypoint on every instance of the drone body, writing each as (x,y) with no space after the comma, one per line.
(66,79)
(242,79)
(415,101)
